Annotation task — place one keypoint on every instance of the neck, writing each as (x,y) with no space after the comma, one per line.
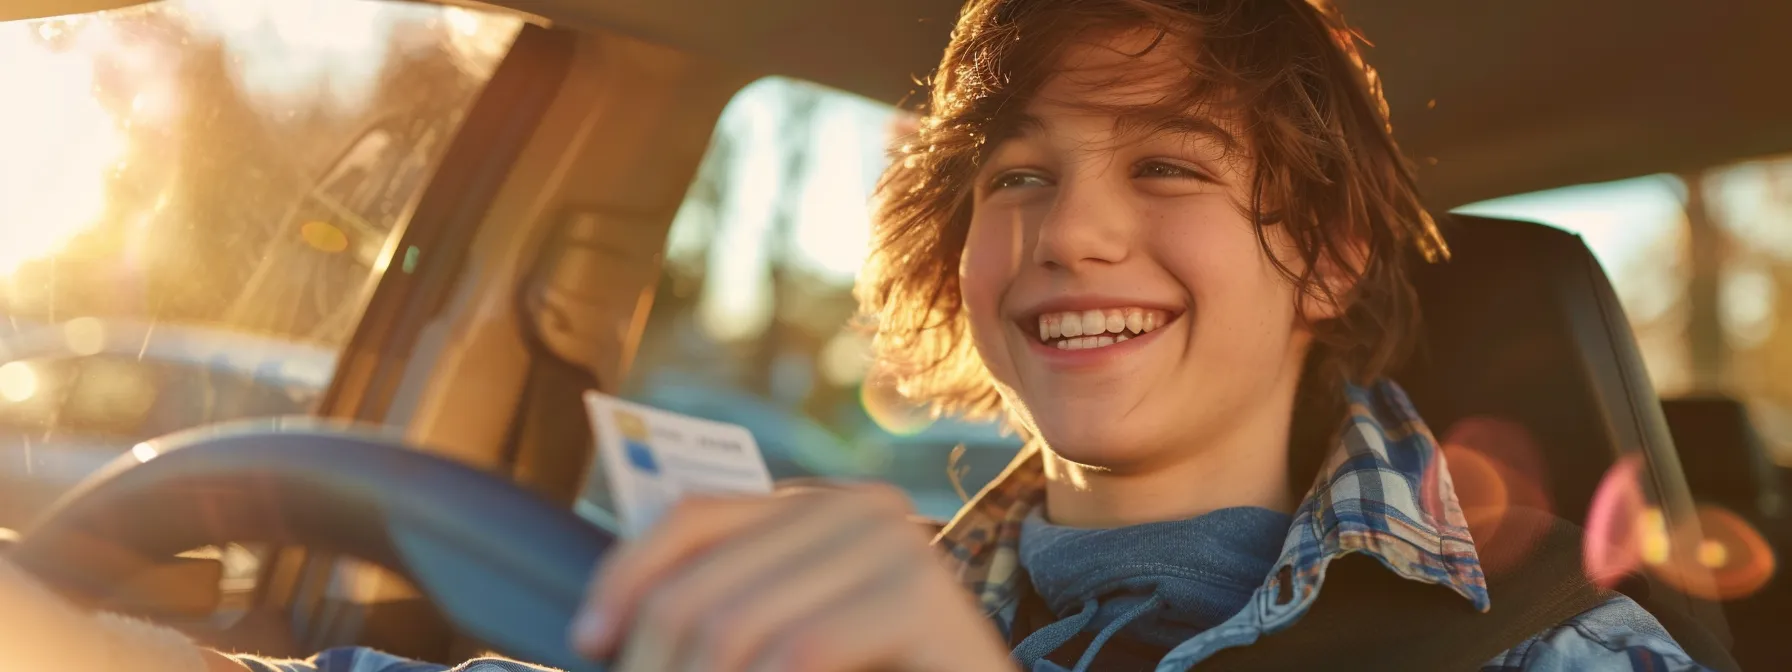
(1247,465)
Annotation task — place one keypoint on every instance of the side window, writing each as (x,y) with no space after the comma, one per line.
(752,320)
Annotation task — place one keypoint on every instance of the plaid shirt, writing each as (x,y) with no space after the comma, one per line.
(1386,493)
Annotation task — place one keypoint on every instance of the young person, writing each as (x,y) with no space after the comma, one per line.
(1165,238)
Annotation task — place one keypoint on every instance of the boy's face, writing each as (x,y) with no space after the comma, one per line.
(1115,286)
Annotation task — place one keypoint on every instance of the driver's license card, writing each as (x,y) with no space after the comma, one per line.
(652,457)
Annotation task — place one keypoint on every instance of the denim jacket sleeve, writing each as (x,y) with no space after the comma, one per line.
(369,660)
(1616,635)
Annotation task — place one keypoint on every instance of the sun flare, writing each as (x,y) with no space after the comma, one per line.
(58,146)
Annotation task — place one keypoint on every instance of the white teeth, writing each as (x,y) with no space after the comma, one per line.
(1083,343)
(1070,326)
(1094,322)
(1084,329)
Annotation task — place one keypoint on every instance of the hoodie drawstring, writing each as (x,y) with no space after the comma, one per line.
(1047,639)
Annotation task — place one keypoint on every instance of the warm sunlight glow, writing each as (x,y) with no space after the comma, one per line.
(463,21)
(290,51)
(84,336)
(846,358)
(18,382)
(58,146)
(324,236)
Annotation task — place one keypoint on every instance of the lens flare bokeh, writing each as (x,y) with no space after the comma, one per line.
(887,407)
(1495,469)
(1613,544)
(1739,560)
(1717,555)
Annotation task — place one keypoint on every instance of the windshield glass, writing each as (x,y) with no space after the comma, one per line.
(196,199)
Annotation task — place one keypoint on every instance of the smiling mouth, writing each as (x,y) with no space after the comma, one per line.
(1100,328)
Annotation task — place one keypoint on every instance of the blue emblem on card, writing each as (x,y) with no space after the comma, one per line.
(640,455)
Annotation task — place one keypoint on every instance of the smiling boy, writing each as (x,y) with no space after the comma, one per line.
(1165,238)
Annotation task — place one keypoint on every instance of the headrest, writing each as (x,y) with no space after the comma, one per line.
(1723,457)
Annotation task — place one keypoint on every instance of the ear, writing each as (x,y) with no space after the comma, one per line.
(1337,272)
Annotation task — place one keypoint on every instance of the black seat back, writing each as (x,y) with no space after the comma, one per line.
(1522,327)
(1723,457)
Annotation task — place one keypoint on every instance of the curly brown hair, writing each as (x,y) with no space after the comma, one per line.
(1314,125)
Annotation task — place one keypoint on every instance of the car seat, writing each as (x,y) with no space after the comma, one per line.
(1527,358)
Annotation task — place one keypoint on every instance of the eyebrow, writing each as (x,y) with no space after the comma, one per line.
(1176,124)
(1014,126)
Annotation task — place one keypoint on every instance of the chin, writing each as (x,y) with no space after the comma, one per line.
(1101,445)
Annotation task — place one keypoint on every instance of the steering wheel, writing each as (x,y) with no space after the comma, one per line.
(503,565)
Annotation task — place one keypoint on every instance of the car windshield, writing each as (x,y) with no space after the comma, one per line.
(197,198)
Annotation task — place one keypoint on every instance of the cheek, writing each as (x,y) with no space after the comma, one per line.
(1240,299)
(986,269)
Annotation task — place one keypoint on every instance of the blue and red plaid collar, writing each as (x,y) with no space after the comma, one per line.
(1384,491)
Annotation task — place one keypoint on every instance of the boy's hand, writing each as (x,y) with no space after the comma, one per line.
(41,631)
(817,581)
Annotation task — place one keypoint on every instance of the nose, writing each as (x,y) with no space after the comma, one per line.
(1089,223)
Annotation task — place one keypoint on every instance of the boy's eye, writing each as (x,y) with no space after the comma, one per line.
(1165,170)
(1012,180)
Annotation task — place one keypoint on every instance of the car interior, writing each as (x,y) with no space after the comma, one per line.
(542,232)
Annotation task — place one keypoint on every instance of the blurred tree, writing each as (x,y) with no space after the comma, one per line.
(795,147)
(384,152)
(1706,250)
(1764,370)
(671,331)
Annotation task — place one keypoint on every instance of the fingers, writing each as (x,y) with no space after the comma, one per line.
(678,613)
(896,623)
(691,526)
(694,527)
(743,626)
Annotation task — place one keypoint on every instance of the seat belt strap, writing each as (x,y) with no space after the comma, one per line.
(1369,618)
